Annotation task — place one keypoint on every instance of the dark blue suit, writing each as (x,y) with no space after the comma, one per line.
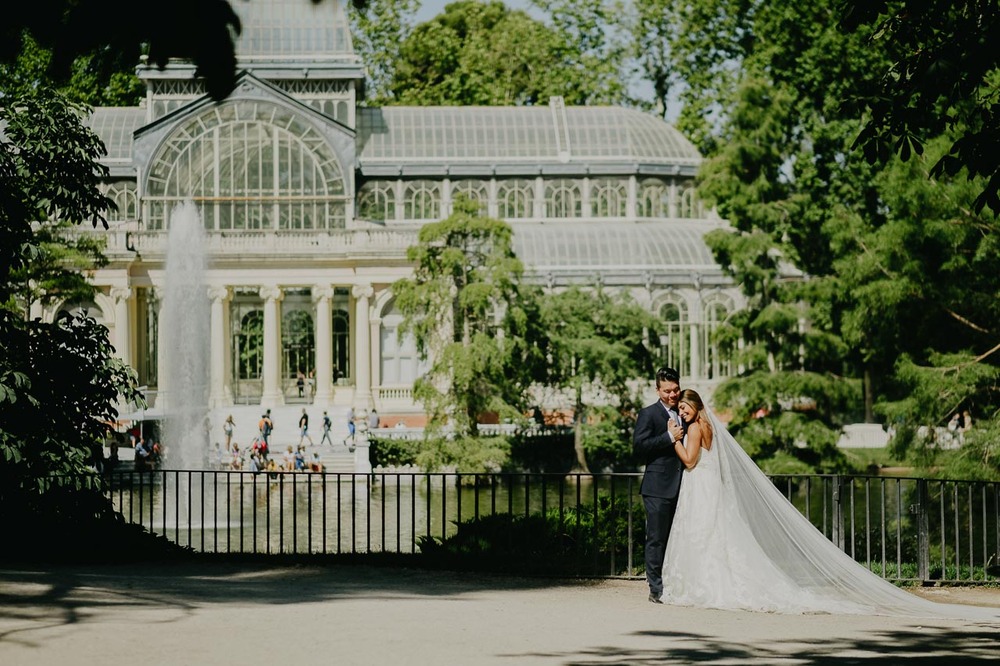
(661,484)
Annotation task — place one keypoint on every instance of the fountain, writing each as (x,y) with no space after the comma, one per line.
(186,338)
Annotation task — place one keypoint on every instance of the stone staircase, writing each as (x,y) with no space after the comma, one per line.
(336,458)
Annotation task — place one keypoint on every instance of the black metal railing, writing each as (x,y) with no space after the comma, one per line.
(904,529)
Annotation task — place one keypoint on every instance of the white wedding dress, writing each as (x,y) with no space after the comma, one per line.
(737,543)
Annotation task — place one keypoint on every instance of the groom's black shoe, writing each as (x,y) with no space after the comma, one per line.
(655,598)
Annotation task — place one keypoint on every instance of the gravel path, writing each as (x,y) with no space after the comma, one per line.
(290,615)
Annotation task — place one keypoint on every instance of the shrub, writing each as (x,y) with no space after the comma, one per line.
(554,542)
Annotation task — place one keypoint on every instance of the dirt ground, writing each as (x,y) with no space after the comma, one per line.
(290,615)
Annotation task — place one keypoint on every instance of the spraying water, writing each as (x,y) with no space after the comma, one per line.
(185,329)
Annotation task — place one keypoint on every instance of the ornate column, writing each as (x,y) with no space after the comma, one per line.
(376,351)
(321,295)
(272,395)
(362,364)
(123,324)
(162,382)
(219,393)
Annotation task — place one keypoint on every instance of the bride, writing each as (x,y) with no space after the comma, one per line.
(737,543)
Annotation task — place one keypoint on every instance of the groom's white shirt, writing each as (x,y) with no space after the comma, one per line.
(673,416)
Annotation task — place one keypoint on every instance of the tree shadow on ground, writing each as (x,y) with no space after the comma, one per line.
(33,599)
(923,645)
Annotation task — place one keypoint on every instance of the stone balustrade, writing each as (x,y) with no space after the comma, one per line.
(126,239)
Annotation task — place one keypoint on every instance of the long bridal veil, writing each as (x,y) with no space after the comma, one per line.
(803,554)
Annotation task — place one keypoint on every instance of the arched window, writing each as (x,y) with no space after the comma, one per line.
(377,201)
(515,199)
(124,195)
(689,205)
(675,343)
(249,346)
(652,199)
(422,200)
(248,165)
(717,348)
(473,190)
(298,344)
(562,198)
(609,197)
(341,347)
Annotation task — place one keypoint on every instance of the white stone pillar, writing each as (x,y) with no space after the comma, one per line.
(376,353)
(218,395)
(123,324)
(272,395)
(162,382)
(322,295)
(362,364)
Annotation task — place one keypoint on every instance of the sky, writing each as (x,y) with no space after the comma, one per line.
(431,8)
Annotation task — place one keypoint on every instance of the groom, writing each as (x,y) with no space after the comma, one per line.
(657,427)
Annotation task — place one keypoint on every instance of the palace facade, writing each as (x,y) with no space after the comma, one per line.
(310,199)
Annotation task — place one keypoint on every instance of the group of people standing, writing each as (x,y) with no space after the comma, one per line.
(257,458)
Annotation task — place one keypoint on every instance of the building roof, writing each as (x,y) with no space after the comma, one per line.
(297,30)
(503,139)
(675,245)
(114,126)
(400,136)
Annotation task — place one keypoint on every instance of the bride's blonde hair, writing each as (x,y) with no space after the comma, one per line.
(692,398)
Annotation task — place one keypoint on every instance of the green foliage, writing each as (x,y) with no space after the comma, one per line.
(469,315)
(607,440)
(794,414)
(943,75)
(596,345)
(463,454)
(579,540)
(379,27)
(393,451)
(94,79)
(59,381)
(484,53)
(547,451)
(877,271)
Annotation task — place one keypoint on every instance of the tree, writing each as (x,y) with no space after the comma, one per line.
(59,381)
(595,343)
(484,53)
(379,28)
(943,76)
(860,275)
(470,318)
(654,26)
(112,31)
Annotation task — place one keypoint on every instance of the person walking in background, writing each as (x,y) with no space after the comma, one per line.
(373,419)
(350,428)
(327,426)
(304,428)
(227,429)
(266,426)
(657,428)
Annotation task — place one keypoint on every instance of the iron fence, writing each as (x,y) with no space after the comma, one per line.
(904,529)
